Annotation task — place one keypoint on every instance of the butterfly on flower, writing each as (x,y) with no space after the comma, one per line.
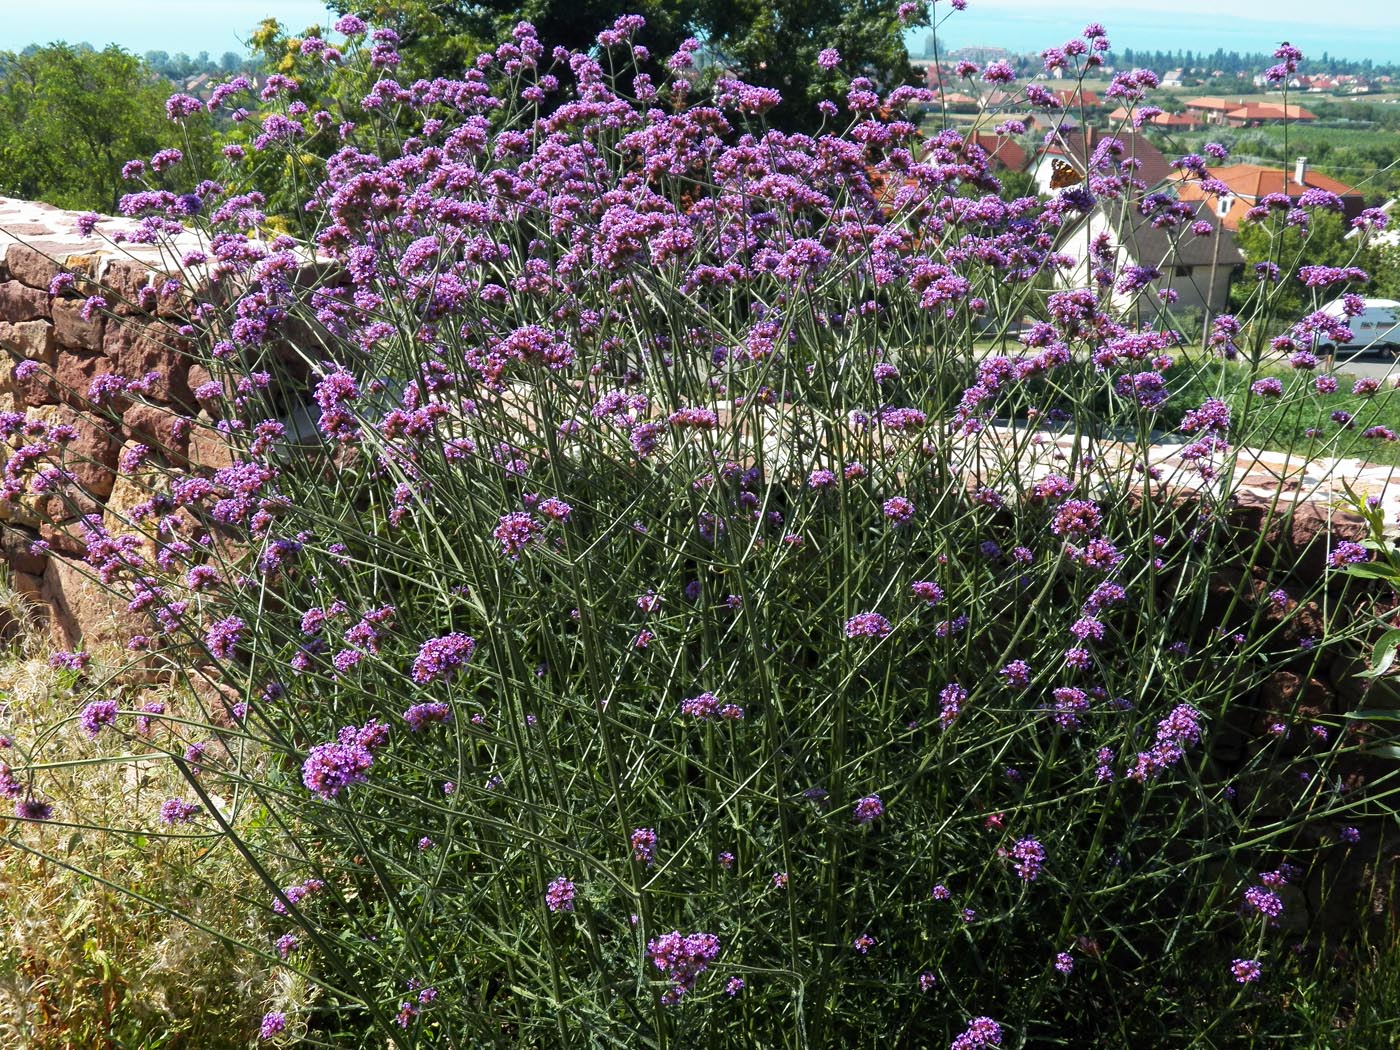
(1063,174)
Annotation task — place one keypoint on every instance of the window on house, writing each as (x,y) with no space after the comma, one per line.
(1222,206)
(1182,271)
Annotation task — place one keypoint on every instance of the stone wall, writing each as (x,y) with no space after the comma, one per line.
(54,350)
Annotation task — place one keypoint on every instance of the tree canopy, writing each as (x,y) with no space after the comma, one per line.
(70,117)
(769,43)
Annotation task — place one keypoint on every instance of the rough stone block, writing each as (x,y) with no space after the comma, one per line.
(19,302)
(72,330)
(137,349)
(165,430)
(92,456)
(84,612)
(30,267)
(33,340)
(124,279)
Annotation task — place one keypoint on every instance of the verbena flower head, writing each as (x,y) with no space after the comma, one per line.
(420,716)
(644,845)
(331,768)
(442,658)
(868,809)
(867,625)
(682,958)
(1246,971)
(274,1023)
(981,1032)
(559,896)
(1029,856)
(96,716)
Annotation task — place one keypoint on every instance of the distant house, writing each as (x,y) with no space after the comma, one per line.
(1238,113)
(1172,78)
(1210,109)
(1003,153)
(1174,121)
(958,101)
(1051,123)
(1253,113)
(1197,269)
(1078,98)
(1076,146)
(1248,183)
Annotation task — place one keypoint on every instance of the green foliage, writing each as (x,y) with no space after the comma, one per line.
(770,44)
(442,39)
(1323,243)
(775,44)
(70,117)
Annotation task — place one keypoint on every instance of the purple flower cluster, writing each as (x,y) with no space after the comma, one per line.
(643,842)
(1029,857)
(515,532)
(1174,733)
(419,716)
(868,809)
(440,659)
(178,811)
(559,896)
(703,707)
(980,1032)
(1246,971)
(96,716)
(683,958)
(867,625)
(330,768)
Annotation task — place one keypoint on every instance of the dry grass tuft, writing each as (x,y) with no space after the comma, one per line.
(82,964)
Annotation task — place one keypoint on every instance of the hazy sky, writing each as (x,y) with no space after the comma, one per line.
(215,26)
(1365,29)
(1355,29)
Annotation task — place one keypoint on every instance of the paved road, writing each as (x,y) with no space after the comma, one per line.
(1386,368)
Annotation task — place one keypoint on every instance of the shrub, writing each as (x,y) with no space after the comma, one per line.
(671,631)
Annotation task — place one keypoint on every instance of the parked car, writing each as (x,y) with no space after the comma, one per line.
(1375,330)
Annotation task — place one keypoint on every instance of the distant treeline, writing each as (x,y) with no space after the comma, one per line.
(179,66)
(1231,62)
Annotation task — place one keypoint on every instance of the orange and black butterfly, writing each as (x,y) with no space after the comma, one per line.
(1063,174)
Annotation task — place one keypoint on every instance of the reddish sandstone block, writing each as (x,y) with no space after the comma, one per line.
(124,279)
(163,429)
(72,330)
(83,610)
(137,349)
(92,456)
(19,302)
(30,267)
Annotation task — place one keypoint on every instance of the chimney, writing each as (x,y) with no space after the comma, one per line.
(1300,171)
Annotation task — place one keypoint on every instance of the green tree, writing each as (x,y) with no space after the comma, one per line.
(772,43)
(1325,244)
(442,37)
(775,43)
(1385,272)
(71,117)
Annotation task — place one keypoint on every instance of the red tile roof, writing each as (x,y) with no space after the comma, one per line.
(1269,111)
(1072,98)
(1002,152)
(1249,182)
(1211,102)
(1161,120)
